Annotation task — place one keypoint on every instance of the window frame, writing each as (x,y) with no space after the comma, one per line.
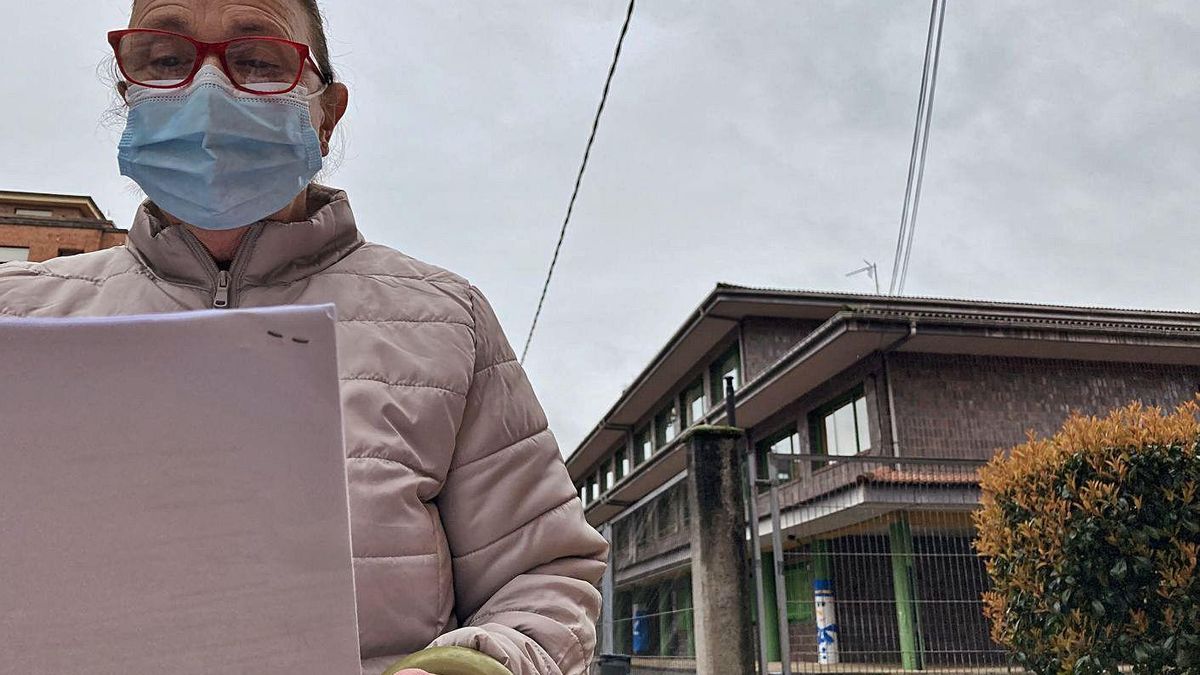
(11,250)
(816,423)
(763,447)
(643,438)
(686,406)
(622,467)
(717,372)
(661,440)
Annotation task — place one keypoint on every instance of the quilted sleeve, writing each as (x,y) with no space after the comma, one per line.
(525,561)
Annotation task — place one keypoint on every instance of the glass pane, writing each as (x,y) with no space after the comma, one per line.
(785,445)
(666,426)
(728,364)
(843,420)
(156,58)
(643,446)
(263,65)
(11,253)
(583,497)
(831,440)
(609,478)
(693,403)
(625,464)
(864,429)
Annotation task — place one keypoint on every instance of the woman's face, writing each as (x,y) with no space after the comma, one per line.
(220,20)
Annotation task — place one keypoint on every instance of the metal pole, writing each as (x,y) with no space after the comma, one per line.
(752,508)
(785,638)
(606,593)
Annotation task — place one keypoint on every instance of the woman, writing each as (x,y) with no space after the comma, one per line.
(466,527)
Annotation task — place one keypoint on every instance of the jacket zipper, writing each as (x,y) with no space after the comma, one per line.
(221,294)
(224,281)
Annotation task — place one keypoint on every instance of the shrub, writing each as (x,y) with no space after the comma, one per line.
(1090,538)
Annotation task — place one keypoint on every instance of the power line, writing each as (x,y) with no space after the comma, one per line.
(916,162)
(612,69)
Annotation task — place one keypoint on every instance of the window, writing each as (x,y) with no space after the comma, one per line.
(35,213)
(583,495)
(606,477)
(593,489)
(664,514)
(693,403)
(786,442)
(621,462)
(841,428)
(11,253)
(64,252)
(729,364)
(666,426)
(642,446)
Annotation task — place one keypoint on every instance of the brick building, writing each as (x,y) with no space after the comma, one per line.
(37,227)
(856,377)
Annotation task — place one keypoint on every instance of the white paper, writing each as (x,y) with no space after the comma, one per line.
(173,496)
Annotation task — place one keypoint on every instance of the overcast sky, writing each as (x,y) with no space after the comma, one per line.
(760,143)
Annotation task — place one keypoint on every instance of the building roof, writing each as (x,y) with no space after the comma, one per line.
(85,203)
(856,325)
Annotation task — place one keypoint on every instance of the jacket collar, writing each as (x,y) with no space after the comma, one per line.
(271,253)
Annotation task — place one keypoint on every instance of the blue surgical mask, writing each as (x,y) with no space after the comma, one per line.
(216,157)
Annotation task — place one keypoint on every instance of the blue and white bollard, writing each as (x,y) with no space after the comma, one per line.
(827,629)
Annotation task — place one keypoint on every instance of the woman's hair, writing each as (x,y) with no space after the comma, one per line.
(320,42)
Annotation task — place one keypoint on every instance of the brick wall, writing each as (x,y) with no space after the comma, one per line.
(766,340)
(970,406)
(45,242)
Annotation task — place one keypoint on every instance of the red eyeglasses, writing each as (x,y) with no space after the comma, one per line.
(257,65)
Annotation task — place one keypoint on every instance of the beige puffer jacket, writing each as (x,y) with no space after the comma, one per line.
(467,530)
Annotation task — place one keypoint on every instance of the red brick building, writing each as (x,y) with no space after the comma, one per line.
(37,226)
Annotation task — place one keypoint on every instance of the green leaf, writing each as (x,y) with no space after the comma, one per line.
(1119,569)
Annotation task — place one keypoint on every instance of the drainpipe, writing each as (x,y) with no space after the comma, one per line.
(887,381)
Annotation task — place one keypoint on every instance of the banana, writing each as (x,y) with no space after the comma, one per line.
(451,661)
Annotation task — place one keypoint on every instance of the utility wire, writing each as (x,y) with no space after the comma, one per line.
(912,223)
(912,157)
(916,162)
(612,69)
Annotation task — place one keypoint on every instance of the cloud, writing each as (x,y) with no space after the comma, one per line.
(760,143)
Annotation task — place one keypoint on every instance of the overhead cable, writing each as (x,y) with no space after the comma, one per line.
(612,69)
(916,163)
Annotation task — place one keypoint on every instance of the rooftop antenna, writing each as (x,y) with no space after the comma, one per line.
(871,271)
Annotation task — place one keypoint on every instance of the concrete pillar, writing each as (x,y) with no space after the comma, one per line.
(907,619)
(720,583)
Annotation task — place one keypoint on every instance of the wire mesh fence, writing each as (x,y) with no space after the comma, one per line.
(652,619)
(877,572)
